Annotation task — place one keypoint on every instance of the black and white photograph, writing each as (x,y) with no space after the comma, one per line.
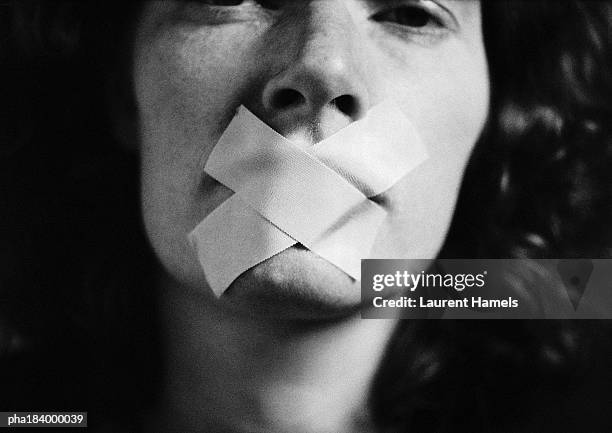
(306,216)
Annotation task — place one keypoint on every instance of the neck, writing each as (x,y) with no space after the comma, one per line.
(241,374)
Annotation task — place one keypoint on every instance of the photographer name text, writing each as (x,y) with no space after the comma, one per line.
(451,283)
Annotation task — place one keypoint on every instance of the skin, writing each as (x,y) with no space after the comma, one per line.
(194,63)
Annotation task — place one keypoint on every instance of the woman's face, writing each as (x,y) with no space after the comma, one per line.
(308,69)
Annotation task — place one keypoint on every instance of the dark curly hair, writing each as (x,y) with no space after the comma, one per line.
(74,258)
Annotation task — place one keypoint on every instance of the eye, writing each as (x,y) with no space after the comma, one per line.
(417,16)
(220,12)
(223,2)
(268,4)
(411,16)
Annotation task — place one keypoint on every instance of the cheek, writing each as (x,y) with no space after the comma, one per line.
(183,109)
(184,80)
(449,104)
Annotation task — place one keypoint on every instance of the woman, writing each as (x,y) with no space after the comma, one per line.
(514,94)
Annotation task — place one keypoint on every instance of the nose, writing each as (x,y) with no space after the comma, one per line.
(323,80)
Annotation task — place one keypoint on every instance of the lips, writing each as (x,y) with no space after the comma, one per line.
(381,200)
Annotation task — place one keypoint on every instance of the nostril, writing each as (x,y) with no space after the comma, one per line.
(347,104)
(287,98)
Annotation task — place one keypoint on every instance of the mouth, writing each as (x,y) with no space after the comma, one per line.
(381,200)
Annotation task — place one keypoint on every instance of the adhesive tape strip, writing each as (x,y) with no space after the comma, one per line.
(285,194)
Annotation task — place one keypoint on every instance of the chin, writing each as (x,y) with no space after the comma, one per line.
(296,284)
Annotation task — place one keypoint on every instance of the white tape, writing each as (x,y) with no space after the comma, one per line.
(285,194)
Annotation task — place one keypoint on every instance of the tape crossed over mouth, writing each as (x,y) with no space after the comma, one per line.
(286,194)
